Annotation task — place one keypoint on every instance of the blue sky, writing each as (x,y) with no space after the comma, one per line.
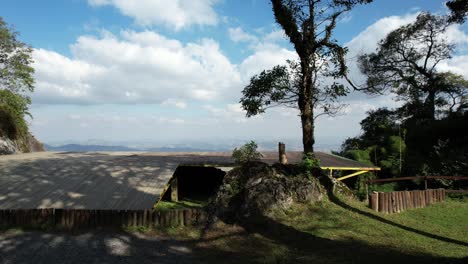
(161,72)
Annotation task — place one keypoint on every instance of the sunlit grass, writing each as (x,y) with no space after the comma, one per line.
(444,220)
(182,204)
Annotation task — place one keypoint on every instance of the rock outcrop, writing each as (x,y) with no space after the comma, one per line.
(259,189)
(23,145)
(7,146)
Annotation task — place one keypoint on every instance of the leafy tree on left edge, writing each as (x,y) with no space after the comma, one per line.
(16,82)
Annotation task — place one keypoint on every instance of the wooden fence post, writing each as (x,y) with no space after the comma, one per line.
(174,190)
(387,203)
(374,201)
(282,153)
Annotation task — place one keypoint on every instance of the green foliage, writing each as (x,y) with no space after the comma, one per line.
(16,81)
(385,187)
(381,143)
(13,109)
(459,10)
(281,85)
(439,148)
(309,163)
(16,73)
(182,204)
(247,153)
(359,155)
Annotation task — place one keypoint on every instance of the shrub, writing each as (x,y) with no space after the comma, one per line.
(13,109)
(309,163)
(12,126)
(247,153)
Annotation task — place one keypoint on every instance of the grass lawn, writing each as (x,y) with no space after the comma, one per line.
(184,203)
(342,232)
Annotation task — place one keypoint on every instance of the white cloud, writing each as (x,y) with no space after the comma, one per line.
(176,121)
(275,35)
(135,67)
(239,35)
(367,40)
(174,102)
(265,57)
(147,68)
(233,112)
(176,14)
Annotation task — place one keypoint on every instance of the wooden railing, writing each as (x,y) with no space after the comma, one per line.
(457,178)
(395,202)
(83,218)
(424,178)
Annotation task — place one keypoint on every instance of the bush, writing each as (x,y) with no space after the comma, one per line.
(11,125)
(13,109)
(247,153)
(309,163)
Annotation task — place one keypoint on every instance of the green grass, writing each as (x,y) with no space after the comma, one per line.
(432,231)
(185,203)
(342,232)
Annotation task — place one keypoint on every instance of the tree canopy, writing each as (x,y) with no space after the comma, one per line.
(281,85)
(16,82)
(405,63)
(16,73)
(381,142)
(309,26)
(459,10)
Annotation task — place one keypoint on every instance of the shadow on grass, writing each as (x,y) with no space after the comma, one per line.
(305,247)
(346,206)
(308,248)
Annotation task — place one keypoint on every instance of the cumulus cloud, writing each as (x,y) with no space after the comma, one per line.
(174,102)
(191,77)
(175,14)
(239,35)
(265,57)
(134,67)
(147,67)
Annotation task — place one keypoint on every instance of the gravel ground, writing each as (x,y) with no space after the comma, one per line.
(92,247)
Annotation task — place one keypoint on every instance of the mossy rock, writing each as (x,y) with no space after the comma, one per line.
(259,189)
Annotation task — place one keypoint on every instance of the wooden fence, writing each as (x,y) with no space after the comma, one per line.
(395,202)
(82,219)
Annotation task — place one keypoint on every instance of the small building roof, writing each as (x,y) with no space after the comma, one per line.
(327,160)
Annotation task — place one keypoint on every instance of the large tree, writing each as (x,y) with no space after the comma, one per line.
(459,10)
(405,63)
(16,82)
(16,73)
(381,142)
(309,25)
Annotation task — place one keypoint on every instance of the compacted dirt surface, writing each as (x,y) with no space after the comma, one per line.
(17,247)
(118,181)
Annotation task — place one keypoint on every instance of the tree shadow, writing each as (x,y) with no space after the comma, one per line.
(105,246)
(84,181)
(309,248)
(336,200)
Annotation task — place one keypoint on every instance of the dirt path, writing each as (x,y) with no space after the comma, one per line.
(93,247)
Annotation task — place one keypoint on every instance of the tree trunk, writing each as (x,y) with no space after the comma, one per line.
(306,107)
(430,105)
(308,138)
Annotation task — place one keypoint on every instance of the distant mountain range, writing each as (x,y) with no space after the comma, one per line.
(89,148)
(213,146)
